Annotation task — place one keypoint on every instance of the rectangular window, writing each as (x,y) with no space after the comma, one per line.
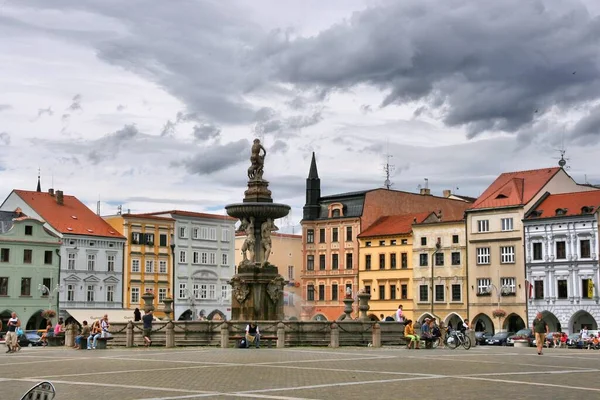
(182,256)
(439,293)
(90,293)
(196,291)
(310,292)
(348,234)
(110,293)
(310,263)
(403,260)
(404,241)
(368,262)
(212,291)
(537,251)
(507,254)
(290,272)
(538,289)
(48,283)
(587,289)
(334,292)
(584,249)
(423,260)
(149,239)
(71,260)
(91,262)
(456,292)
(482,285)
(456,258)
(136,237)
(225,235)
(28,230)
(322,292)
(455,239)
(563,291)
(149,266)
(135,265)
(162,267)
(381,292)
(195,257)
(70,292)
(483,255)
(162,240)
(183,232)
(382,242)
(368,289)
(561,250)
(196,233)
(507,224)
(322,262)
(348,287)
(322,235)
(224,259)
(27,256)
(212,258)
(483,225)
(382,261)
(439,259)
(392,292)
(162,294)
(404,291)
(335,261)
(423,241)
(4,286)
(203,291)
(110,261)
(393,261)
(393,242)
(334,235)
(212,233)
(224,292)
(182,290)
(368,244)
(4,255)
(349,261)
(310,236)
(508,284)
(135,295)
(48,257)
(204,257)
(423,293)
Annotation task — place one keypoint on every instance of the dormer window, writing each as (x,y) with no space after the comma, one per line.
(501,196)
(336,213)
(537,213)
(336,210)
(587,209)
(561,211)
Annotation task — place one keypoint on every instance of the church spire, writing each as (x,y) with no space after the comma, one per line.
(313,192)
(39,185)
(313,174)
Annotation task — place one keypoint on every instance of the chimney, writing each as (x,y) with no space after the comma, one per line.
(59,198)
(51,192)
(425,191)
(447,193)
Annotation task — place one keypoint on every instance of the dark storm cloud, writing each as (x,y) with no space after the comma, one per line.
(484,65)
(5,138)
(107,147)
(587,130)
(217,157)
(206,131)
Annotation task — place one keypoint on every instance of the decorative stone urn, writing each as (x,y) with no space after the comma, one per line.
(148,298)
(168,309)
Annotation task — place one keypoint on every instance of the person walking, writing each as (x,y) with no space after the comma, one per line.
(147,319)
(540,327)
(11,335)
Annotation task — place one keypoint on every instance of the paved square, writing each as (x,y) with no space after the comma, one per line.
(303,373)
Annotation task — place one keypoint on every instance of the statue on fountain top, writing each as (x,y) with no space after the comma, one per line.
(255,171)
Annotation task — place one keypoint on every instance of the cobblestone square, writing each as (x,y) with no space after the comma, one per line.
(303,373)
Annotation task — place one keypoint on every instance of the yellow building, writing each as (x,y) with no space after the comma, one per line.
(148,265)
(440,245)
(386,264)
(286,254)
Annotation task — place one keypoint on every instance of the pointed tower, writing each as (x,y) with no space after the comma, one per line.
(39,185)
(313,192)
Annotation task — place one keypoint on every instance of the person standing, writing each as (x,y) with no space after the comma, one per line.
(540,327)
(147,319)
(137,315)
(11,335)
(399,315)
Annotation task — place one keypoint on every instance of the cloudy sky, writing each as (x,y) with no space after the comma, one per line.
(153,104)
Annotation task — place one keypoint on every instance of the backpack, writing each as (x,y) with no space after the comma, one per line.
(436,332)
(242,344)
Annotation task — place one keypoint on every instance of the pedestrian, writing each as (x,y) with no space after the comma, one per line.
(11,335)
(137,315)
(252,335)
(540,327)
(399,315)
(147,319)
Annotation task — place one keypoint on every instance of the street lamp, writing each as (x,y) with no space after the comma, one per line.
(49,292)
(503,290)
(438,246)
(172,246)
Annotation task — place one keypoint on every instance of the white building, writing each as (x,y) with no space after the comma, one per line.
(91,254)
(204,261)
(561,260)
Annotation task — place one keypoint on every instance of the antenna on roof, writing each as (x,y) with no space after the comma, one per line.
(388,169)
(98,206)
(119,209)
(562,162)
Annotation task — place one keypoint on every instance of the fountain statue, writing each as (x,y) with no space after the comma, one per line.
(257,286)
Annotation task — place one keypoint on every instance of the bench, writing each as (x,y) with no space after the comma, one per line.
(263,338)
(58,340)
(101,345)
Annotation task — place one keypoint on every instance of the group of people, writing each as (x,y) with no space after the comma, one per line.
(91,334)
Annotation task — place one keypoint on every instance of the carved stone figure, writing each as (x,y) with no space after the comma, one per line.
(247,226)
(275,288)
(265,232)
(255,171)
(240,289)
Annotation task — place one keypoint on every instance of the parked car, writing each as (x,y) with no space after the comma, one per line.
(500,339)
(521,334)
(482,337)
(29,339)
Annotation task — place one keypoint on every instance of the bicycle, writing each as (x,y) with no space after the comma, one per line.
(457,339)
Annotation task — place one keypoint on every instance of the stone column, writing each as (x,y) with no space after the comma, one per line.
(129,334)
(280,335)
(376,335)
(335,336)
(224,335)
(70,335)
(170,335)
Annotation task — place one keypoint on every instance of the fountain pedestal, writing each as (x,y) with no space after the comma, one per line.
(257,293)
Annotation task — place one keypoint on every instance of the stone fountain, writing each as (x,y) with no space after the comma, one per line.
(257,287)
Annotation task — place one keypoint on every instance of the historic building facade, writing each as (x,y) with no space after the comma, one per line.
(496,275)
(148,258)
(440,268)
(29,269)
(91,255)
(561,260)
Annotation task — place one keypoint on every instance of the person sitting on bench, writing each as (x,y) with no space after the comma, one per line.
(409,332)
(252,335)
(426,334)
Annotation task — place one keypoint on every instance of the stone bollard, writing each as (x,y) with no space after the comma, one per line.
(170,335)
(224,335)
(376,335)
(335,336)
(70,335)
(129,334)
(280,335)
(471,335)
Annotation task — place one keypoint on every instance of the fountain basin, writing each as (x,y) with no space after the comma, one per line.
(259,210)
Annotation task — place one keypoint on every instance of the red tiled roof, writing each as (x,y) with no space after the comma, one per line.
(193,214)
(572,203)
(515,188)
(73,217)
(393,225)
